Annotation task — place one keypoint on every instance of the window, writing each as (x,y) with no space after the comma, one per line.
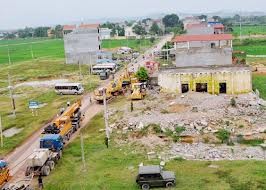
(201,87)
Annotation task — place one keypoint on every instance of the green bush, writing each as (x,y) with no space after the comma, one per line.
(223,135)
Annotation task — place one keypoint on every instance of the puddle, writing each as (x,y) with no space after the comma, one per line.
(12,131)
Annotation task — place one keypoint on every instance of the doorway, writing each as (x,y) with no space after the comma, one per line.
(201,87)
(222,88)
(185,88)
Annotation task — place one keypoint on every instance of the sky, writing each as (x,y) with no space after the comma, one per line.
(21,13)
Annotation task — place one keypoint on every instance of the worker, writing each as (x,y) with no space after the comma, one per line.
(106,141)
(40,182)
(131,106)
(62,110)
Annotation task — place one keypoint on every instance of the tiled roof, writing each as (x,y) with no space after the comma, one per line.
(89,26)
(69,27)
(209,37)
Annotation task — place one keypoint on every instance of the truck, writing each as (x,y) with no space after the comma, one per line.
(104,74)
(4,173)
(67,123)
(42,161)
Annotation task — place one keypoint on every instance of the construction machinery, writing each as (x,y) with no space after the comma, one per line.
(138,91)
(4,172)
(67,123)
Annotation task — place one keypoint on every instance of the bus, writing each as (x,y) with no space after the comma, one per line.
(111,67)
(69,88)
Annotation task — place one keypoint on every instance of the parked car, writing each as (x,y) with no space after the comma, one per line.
(154,176)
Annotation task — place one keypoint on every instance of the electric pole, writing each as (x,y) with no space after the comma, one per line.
(80,73)
(11,96)
(105,115)
(1,133)
(82,151)
(31,50)
(8,54)
(240,24)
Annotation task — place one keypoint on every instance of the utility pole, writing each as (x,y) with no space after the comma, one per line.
(240,27)
(8,54)
(106,115)
(1,133)
(31,50)
(80,73)
(82,151)
(11,96)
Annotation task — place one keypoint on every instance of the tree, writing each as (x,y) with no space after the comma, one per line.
(41,32)
(171,20)
(155,29)
(58,31)
(203,17)
(142,74)
(139,30)
(237,17)
(217,18)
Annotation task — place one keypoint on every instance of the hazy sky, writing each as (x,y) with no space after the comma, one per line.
(21,13)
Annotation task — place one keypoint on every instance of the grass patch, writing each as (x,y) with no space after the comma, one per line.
(251,46)
(250,30)
(259,82)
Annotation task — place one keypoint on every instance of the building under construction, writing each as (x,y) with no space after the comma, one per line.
(81,43)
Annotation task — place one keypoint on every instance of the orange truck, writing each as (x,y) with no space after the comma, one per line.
(4,173)
(67,123)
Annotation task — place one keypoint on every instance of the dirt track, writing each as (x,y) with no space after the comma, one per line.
(17,158)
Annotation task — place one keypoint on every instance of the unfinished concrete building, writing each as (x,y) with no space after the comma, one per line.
(214,80)
(81,43)
(204,64)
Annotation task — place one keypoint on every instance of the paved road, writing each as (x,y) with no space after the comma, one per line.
(17,158)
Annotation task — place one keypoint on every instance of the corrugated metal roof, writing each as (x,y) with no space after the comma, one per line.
(209,37)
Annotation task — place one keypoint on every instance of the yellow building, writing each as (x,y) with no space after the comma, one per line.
(214,80)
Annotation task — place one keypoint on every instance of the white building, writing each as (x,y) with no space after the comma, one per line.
(129,32)
(105,33)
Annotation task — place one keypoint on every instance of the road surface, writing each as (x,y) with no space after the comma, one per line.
(17,158)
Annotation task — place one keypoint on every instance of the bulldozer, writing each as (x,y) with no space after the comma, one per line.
(138,91)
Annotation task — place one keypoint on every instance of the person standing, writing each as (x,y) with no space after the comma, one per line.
(40,182)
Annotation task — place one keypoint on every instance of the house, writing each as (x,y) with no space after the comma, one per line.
(81,43)
(68,28)
(191,20)
(202,50)
(129,33)
(105,33)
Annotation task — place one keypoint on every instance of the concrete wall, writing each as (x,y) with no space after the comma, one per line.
(203,57)
(200,30)
(237,82)
(80,44)
(203,44)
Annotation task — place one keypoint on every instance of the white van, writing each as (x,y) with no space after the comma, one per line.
(69,88)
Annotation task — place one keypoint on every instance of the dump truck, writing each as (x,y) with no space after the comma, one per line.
(67,123)
(43,160)
(138,91)
(4,173)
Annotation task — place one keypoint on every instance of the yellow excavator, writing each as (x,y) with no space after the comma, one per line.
(115,87)
(138,91)
(67,123)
